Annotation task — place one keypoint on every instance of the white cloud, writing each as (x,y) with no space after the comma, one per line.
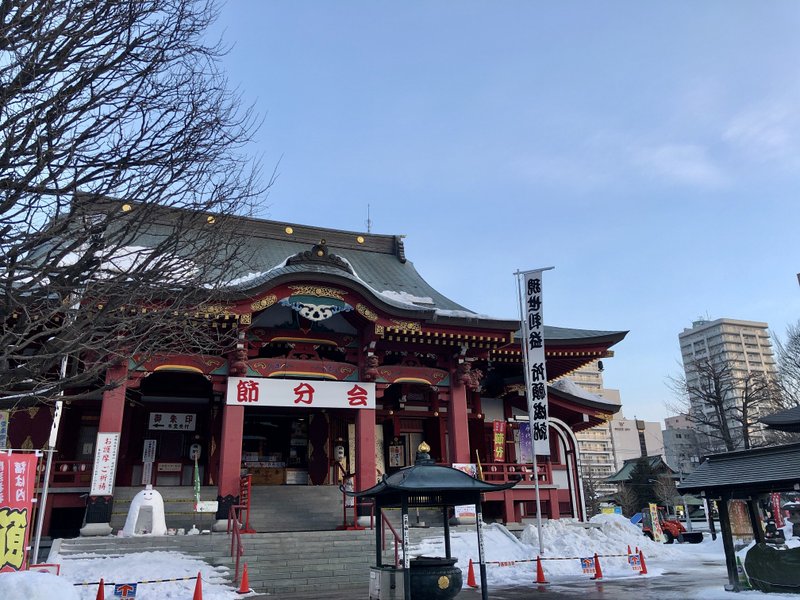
(769,133)
(688,164)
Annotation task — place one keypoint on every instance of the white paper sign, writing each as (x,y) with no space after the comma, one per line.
(105,464)
(300,393)
(172,421)
(463,511)
(149,451)
(536,372)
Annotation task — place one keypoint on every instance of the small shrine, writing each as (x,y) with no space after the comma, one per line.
(429,485)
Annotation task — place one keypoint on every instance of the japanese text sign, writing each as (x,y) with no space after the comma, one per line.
(499,441)
(4,416)
(105,464)
(149,451)
(17,483)
(260,391)
(533,351)
(172,421)
(466,510)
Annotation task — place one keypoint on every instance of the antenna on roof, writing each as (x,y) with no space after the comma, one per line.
(369,221)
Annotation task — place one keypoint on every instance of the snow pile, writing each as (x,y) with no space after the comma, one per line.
(134,567)
(31,585)
(563,538)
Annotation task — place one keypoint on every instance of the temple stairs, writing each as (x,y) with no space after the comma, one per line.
(297,549)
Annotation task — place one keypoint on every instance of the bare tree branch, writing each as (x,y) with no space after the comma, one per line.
(121,165)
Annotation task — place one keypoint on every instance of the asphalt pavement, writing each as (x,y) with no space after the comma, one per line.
(670,585)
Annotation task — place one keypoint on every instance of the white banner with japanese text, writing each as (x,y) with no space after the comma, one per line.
(310,393)
(105,464)
(536,372)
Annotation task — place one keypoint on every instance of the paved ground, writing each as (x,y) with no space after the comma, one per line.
(671,585)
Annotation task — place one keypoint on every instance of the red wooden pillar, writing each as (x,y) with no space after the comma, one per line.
(555,509)
(112,411)
(365,449)
(509,510)
(230,461)
(457,424)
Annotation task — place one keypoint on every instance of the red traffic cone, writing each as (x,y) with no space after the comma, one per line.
(641,561)
(598,572)
(101,594)
(540,580)
(198,588)
(471,576)
(629,549)
(244,587)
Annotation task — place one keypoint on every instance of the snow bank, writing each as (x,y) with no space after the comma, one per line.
(138,566)
(563,539)
(30,585)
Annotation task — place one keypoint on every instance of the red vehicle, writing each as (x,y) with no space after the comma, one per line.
(672,528)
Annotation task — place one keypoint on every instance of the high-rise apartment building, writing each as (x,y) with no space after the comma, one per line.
(740,350)
(682,446)
(595,444)
(605,448)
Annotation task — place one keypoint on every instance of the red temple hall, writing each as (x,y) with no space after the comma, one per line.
(345,360)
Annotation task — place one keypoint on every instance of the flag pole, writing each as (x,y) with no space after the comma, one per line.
(528,392)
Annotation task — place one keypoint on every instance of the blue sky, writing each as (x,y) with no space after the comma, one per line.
(649,151)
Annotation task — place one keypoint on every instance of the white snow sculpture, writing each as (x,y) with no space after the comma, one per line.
(146,514)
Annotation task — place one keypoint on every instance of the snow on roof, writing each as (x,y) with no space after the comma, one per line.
(406,298)
(568,386)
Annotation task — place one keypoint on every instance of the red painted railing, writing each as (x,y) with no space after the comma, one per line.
(245,485)
(345,524)
(237,549)
(234,527)
(505,472)
(397,541)
(71,473)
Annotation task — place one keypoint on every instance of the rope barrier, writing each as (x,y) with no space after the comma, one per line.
(139,582)
(510,563)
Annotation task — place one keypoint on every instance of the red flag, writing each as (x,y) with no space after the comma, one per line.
(17,486)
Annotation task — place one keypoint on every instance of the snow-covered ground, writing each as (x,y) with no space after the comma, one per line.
(697,564)
(608,536)
(128,568)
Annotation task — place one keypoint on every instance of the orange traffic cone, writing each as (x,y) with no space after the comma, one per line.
(471,576)
(598,572)
(244,587)
(198,588)
(641,561)
(101,594)
(540,580)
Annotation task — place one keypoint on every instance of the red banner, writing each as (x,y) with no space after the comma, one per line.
(17,483)
(777,513)
(499,451)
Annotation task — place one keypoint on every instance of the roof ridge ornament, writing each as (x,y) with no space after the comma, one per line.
(319,254)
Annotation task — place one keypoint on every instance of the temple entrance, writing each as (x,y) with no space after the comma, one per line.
(172,422)
(275,445)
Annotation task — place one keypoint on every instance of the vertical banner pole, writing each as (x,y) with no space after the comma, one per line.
(529,286)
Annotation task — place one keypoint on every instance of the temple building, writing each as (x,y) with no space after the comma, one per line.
(345,360)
